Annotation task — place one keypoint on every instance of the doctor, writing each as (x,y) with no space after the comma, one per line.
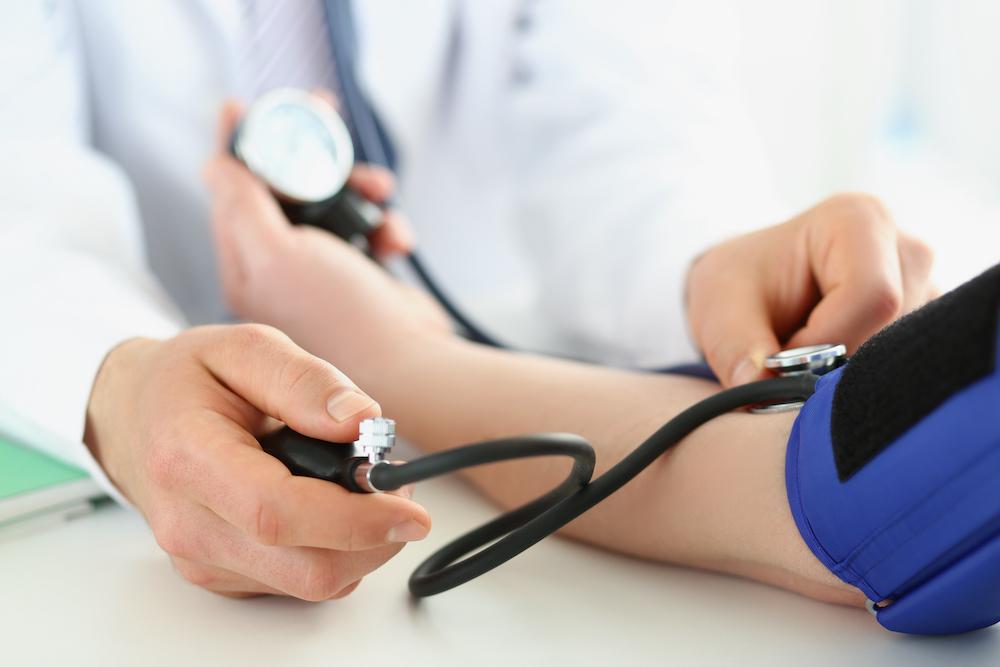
(109,122)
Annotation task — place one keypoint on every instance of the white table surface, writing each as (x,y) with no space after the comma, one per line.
(98,591)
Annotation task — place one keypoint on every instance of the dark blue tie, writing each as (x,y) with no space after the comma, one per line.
(371,141)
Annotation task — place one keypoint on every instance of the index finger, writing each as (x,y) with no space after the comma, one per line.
(861,284)
(733,328)
(257,494)
(265,368)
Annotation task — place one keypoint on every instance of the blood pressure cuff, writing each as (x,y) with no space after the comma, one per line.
(893,466)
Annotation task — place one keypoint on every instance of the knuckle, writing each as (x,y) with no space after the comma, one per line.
(298,370)
(165,463)
(254,335)
(346,590)
(321,582)
(196,574)
(861,206)
(704,271)
(263,522)
(306,371)
(195,335)
(173,538)
(885,301)
(188,344)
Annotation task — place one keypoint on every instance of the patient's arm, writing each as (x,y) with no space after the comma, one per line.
(716,501)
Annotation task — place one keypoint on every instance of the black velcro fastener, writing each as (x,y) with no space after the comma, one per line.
(908,369)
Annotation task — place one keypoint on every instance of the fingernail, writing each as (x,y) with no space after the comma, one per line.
(749,369)
(408,531)
(744,372)
(348,403)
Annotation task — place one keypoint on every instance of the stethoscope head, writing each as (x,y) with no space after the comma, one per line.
(815,359)
(297,143)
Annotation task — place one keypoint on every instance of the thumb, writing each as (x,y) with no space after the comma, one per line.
(265,368)
(736,339)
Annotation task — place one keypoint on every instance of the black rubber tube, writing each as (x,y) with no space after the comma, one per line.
(524,527)
(391,477)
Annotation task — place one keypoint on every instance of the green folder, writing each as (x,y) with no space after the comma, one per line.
(37,489)
(23,470)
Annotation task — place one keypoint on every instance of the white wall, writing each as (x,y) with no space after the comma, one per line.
(898,97)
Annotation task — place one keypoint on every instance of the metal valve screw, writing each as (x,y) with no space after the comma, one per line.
(376,438)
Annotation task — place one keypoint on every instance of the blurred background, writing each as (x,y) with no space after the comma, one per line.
(543,136)
(896,97)
(714,117)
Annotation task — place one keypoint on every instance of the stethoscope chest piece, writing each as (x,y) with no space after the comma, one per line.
(814,359)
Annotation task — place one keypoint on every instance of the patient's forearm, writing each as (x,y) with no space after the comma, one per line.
(716,501)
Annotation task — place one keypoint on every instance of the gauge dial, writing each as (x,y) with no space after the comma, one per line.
(298,144)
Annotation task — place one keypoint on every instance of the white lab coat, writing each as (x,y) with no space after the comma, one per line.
(564,160)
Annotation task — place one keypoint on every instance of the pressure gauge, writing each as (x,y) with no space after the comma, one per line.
(297,143)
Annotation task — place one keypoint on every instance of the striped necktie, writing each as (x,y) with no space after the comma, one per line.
(287,45)
(310,44)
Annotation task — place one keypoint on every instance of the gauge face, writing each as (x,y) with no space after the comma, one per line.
(297,144)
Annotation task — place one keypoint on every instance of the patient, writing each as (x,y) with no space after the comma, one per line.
(717,501)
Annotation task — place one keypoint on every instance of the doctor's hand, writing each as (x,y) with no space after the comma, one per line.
(394,235)
(321,291)
(174,425)
(837,273)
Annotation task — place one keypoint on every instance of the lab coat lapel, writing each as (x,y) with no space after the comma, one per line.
(223,22)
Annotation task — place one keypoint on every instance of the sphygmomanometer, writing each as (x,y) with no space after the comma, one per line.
(893,463)
(297,143)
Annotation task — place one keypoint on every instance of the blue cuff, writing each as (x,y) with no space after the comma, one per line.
(920,523)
